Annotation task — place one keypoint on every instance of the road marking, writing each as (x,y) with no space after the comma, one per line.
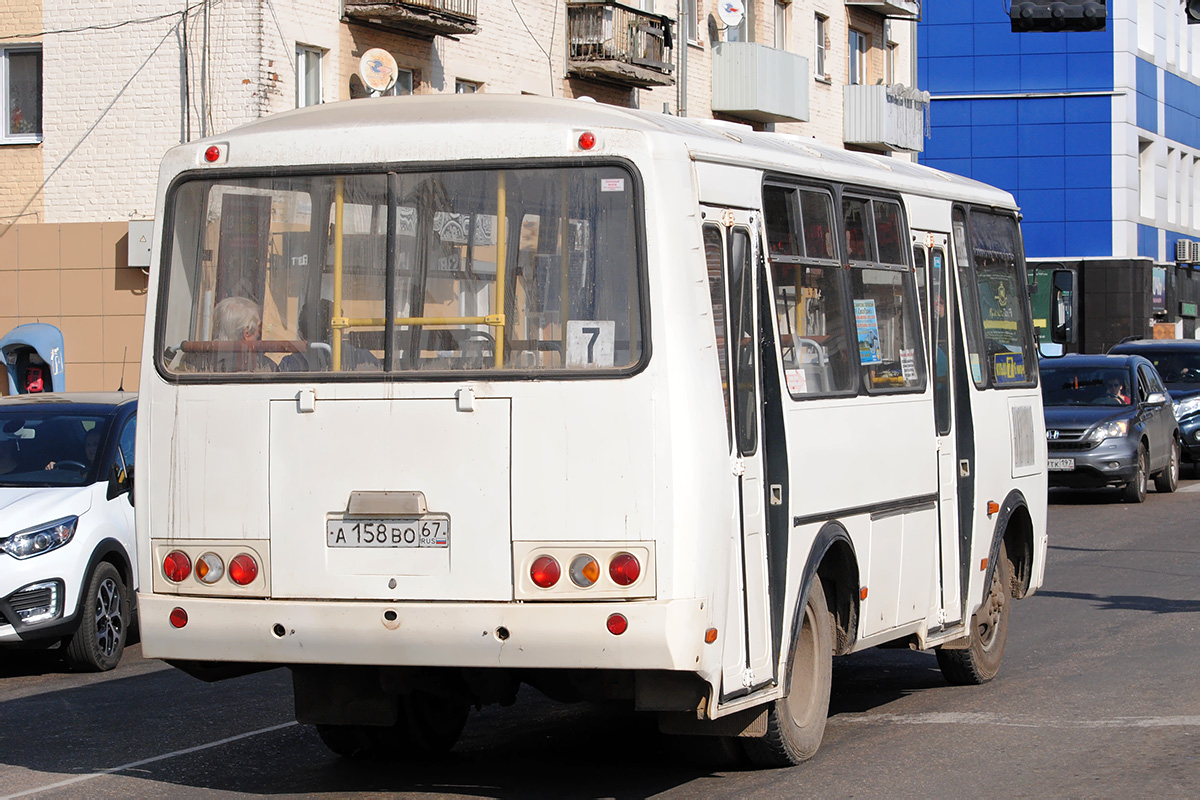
(144,761)
(983,718)
(1195,487)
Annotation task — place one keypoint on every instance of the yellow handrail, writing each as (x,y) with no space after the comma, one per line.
(338,206)
(343,323)
(501,248)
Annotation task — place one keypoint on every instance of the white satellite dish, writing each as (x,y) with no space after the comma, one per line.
(731,12)
(377,69)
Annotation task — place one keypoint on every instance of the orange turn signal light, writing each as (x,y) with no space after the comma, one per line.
(710,635)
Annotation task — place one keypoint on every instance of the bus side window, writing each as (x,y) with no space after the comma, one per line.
(810,293)
(887,326)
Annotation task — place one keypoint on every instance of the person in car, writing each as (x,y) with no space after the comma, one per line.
(91,444)
(1116,392)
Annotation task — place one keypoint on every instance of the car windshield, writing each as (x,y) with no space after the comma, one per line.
(1085,386)
(1178,370)
(48,447)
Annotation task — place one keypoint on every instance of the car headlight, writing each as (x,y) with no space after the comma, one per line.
(1185,408)
(42,539)
(1109,430)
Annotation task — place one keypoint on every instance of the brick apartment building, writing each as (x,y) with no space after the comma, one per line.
(94,94)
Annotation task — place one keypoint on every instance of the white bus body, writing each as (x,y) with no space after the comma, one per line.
(747,399)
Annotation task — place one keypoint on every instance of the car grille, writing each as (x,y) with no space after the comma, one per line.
(1068,439)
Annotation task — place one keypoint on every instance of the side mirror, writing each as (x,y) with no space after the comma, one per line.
(119,482)
(1156,399)
(1062,307)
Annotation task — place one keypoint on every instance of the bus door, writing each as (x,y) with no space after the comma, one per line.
(930,251)
(731,240)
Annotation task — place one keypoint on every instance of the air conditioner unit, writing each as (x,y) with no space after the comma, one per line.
(1195,259)
(1183,251)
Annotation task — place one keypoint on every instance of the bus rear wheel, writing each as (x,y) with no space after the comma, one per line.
(796,722)
(980,660)
(427,725)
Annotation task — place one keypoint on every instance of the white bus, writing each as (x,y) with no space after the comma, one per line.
(446,395)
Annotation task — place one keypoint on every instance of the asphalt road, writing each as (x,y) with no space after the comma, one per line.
(1099,696)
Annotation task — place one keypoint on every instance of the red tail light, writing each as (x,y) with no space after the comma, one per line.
(178,617)
(243,569)
(617,624)
(545,572)
(177,566)
(624,569)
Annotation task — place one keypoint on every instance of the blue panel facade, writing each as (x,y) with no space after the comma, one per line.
(1052,153)
(1182,101)
(1147,95)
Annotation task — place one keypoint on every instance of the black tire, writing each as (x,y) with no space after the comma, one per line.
(1167,481)
(1135,490)
(104,613)
(980,661)
(427,726)
(796,722)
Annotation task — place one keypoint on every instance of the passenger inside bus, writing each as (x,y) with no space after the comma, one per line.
(315,327)
(237,319)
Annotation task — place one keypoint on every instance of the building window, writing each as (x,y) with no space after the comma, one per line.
(21,76)
(465,87)
(308,76)
(403,86)
(858,57)
(1146,177)
(783,9)
(822,29)
(691,20)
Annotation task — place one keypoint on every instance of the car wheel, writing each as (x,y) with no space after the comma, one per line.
(104,622)
(1168,480)
(1135,490)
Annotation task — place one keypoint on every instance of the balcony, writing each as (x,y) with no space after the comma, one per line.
(618,44)
(901,9)
(885,117)
(424,18)
(756,82)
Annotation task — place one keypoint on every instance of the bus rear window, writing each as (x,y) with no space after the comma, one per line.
(455,271)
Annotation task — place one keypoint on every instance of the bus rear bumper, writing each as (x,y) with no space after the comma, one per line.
(664,635)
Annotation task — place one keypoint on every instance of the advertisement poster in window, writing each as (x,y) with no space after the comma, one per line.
(867,325)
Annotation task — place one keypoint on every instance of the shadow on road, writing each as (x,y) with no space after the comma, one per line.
(1155,605)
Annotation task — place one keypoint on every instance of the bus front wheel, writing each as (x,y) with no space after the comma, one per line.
(980,660)
(796,722)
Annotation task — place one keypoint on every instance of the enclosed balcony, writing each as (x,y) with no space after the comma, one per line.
(901,9)
(760,83)
(424,18)
(885,117)
(618,44)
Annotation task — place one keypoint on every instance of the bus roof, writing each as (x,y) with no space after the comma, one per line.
(382,126)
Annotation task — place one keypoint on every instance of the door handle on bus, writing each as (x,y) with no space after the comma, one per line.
(964,468)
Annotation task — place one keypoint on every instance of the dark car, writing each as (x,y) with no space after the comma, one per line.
(1178,363)
(68,572)
(1109,422)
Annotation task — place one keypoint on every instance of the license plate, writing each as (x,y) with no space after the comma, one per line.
(429,530)
(1060,464)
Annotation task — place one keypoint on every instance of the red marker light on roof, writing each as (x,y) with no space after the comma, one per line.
(212,154)
(587,140)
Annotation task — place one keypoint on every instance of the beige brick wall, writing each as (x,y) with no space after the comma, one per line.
(20,164)
(75,276)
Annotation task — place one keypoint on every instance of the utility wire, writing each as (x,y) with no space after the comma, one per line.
(105,27)
(553,25)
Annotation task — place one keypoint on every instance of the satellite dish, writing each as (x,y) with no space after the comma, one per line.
(377,69)
(731,12)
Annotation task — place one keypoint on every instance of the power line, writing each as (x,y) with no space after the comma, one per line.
(106,27)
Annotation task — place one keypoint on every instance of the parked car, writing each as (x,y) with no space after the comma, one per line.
(67,552)
(1178,363)
(1109,422)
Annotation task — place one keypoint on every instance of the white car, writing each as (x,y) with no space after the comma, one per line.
(68,565)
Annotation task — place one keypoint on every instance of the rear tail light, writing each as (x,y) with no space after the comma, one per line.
(178,617)
(624,569)
(210,568)
(177,566)
(545,572)
(617,624)
(584,571)
(243,569)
